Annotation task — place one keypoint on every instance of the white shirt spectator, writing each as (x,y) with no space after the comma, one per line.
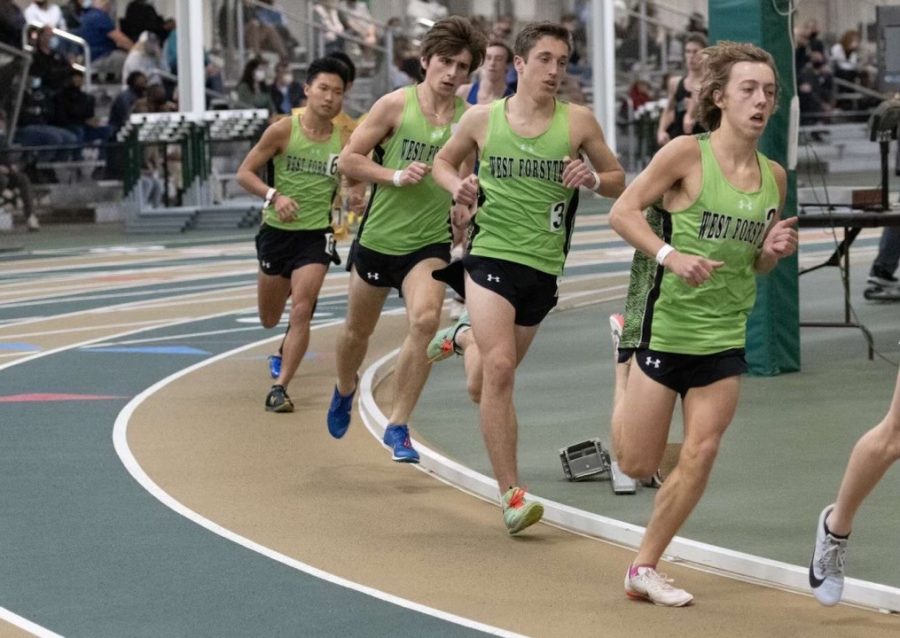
(425,9)
(46,14)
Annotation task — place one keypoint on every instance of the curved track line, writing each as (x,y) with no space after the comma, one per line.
(26,625)
(694,554)
(120,443)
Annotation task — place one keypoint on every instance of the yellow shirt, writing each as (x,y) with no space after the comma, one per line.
(343,121)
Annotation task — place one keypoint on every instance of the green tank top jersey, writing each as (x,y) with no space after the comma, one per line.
(307,173)
(399,221)
(525,215)
(724,223)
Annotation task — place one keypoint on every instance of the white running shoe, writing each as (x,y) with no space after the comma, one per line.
(616,326)
(826,569)
(648,584)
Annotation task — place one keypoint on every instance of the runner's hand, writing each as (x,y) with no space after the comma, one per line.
(285,207)
(466,193)
(577,174)
(692,270)
(414,173)
(460,215)
(782,239)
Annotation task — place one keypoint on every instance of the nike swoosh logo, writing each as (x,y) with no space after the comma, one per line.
(814,582)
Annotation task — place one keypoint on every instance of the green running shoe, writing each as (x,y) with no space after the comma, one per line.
(517,514)
(444,345)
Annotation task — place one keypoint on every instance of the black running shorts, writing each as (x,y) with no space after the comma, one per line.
(531,292)
(681,372)
(281,252)
(389,271)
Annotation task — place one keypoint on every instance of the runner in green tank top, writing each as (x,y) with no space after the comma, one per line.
(528,194)
(405,233)
(295,242)
(713,224)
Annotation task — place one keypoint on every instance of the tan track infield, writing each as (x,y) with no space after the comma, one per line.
(345,507)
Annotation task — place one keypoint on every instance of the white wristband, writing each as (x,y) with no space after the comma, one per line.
(270,195)
(596,181)
(396,178)
(663,253)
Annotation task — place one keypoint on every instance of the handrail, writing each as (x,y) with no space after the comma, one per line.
(17,104)
(65,35)
(860,88)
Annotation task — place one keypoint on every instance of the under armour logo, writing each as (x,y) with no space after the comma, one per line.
(745,204)
(491,278)
(372,275)
(265,264)
(653,362)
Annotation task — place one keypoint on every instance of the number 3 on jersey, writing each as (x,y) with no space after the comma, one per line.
(557,215)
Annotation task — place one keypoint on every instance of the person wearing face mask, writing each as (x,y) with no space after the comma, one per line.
(815,89)
(11,22)
(12,179)
(72,12)
(252,90)
(107,43)
(146,56)
(45,13)
(286,92)
(120,111)
(47,62)
(140,16)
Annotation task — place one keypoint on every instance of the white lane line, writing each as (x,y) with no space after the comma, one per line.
(27,625)
(115,295)
(149,322)
(120,442)
(82,344)
(190,335)
(713,559)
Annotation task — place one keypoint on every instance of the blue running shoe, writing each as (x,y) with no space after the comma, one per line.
(396,437)
(339,412)
(275,365)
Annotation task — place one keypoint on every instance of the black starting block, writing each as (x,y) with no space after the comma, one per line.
(588,459)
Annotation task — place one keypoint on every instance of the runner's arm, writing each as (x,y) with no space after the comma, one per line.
(382,121)
(273,142)
(781,235)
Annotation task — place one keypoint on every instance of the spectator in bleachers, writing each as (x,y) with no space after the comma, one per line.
(259,36)
(252,90)
(35,127)
(360,24)
(286,92)
(72,12)
(152,185)
(45,13)
(429,11)
(108,44)
(14,184)
(274,17)
(491,83)
(12,21)
(501,30)
(845,57)
(123,105)
(74,111)
(47,62)
(331,28)
(579,64)
(140,16)
(811,33)
(147,57)
(678,116)
(815,89)
(406,69)
(214,80)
